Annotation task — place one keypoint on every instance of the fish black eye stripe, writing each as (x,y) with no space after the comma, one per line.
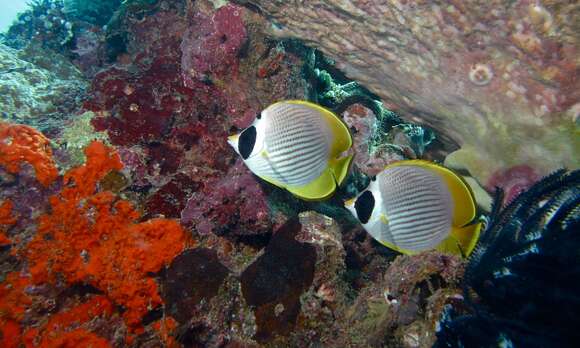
(364,206)
(247,141)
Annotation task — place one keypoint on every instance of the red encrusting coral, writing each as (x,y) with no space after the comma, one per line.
(164,328)
(6,218)
(143,104)
(66,328)
(20,143)
(94,237)
(13,304)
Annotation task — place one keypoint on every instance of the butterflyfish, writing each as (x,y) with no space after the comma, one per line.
(299,146)
(416,205)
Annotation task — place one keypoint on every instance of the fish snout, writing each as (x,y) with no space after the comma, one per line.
(233,141)
(350,202)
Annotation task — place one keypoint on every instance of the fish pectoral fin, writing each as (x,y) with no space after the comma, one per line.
(462,240)
(318,189)
(383,218)
(340,167)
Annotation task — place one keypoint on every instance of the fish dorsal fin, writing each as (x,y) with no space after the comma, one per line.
(318,189)
(464,208)
(342,139)
(340,167)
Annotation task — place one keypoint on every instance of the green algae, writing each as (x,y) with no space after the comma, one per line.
(76,136)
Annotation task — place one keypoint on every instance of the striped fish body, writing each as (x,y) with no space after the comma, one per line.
(416,205)
(296,145)
(416,208)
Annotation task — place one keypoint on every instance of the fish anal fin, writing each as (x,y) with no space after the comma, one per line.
(461,241)
(397,249)
(271,181)
(464,206)
(340,167)
(318,189)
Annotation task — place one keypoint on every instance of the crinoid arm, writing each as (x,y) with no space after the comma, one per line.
(521,282)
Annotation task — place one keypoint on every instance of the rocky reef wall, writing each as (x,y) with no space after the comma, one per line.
(498,80)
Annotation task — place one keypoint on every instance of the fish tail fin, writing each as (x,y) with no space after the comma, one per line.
(340,167)
(462,240)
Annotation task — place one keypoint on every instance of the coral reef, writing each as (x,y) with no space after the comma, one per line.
(77,134)
(37,87)
(127,220)
(66,328)
(99,241)
(170,126)
(45,23)
(94,12)
(6,218)
(274,282)
(87,236)
(496,80)
(513,181)
(12,308)
(187,283)
(402,308)
(519,283)
(212,45)
(234,204)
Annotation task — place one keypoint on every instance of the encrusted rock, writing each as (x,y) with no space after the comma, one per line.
(497,79)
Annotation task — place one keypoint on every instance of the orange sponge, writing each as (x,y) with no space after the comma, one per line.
(20,143)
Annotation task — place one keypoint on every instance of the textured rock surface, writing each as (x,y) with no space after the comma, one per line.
(34,89)
(499,79)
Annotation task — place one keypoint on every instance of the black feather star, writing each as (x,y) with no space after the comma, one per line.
(522,282)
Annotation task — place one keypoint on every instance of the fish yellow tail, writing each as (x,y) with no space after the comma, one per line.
(461,240)
(340,168)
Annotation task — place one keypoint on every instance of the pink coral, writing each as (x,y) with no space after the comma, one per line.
(513,180)
(212,45)
(234,202)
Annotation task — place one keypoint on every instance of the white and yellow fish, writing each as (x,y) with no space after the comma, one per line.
(416,205)
(298,146)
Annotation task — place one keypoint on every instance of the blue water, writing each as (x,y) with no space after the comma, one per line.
(8,11)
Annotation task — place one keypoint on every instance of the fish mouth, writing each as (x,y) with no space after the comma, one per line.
(233,140)
(350,202)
